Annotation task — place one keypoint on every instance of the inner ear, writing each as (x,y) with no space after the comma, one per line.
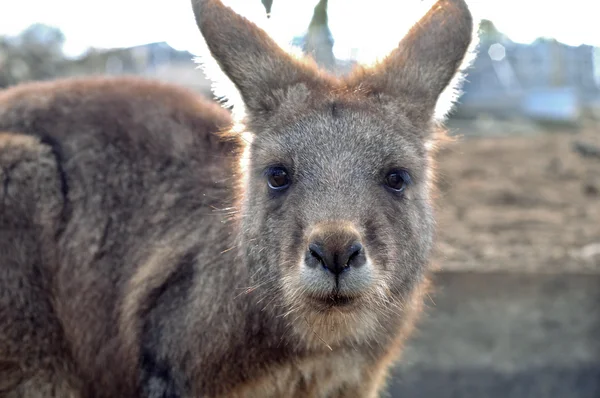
(259,68)
(426,59)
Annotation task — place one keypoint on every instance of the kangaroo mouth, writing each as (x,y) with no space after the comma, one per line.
(333,300)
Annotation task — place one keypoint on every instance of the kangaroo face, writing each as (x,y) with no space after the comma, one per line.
(337,223)
(339,207)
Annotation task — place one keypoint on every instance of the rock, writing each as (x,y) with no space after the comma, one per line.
(586,150)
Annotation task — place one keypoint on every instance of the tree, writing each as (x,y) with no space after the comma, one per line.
(318,41)
(488,32)
(36,54)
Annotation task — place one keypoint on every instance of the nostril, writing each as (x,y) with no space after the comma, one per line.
(317,253)
(356,255)
(354,251)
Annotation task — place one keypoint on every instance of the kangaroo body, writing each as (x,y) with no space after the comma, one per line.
(148,249)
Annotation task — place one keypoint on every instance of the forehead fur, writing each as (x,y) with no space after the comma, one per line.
(332,99)
(346,126)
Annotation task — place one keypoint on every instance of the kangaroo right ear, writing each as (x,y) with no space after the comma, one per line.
(426,59)
(259,68)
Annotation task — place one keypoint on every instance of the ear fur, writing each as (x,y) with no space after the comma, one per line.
(423,73)
(425,62)
(258,67)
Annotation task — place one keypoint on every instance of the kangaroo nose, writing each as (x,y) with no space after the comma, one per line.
(336,259)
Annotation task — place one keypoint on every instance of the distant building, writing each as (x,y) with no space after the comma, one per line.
(545,79)
(154,60)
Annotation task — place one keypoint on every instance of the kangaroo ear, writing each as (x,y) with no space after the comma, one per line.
(425,61)
(259,68)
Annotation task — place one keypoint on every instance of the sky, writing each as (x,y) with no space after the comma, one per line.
(123,23)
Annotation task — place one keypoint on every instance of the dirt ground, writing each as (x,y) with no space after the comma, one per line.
(519,203)
(504,335)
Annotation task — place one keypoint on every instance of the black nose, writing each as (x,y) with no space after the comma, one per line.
(334,257)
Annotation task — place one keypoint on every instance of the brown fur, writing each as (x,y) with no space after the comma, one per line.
(142,253)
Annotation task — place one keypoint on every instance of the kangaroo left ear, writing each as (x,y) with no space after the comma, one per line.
(259,68)
(426,60)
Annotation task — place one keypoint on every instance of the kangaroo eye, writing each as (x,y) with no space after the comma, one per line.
(278,178)
(397,180)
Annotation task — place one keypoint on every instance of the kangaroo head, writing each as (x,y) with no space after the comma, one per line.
(336,217)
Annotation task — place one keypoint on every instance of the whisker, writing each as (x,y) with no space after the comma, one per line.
(316,334)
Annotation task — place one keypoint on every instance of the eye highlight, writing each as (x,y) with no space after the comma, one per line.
(397,180)
(278,178)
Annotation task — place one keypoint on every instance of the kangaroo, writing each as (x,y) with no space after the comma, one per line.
(151,247)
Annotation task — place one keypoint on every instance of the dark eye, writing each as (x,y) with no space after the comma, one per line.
(397,180)
(277,178)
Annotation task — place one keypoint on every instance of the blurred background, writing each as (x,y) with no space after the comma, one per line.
(516,306)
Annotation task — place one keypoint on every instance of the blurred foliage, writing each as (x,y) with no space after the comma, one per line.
(35,54)
(488,32)
(317,42)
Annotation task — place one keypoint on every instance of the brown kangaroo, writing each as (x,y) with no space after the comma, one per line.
(149,248)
